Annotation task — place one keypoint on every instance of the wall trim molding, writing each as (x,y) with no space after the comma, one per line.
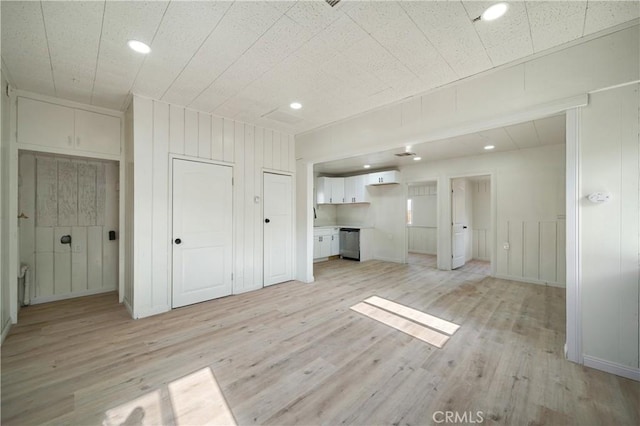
(573,228)
(632,373)
(528,280)
(5,331)
(56,297)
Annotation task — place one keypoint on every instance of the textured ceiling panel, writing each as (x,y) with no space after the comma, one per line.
(554,22)
(447,26)
(524,135)
(174,45)
(24,47)
(243,24)
(117,64)
(244,59)
(73,31)
(551,130)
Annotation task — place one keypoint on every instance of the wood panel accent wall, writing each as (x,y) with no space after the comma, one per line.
(67,196)
(161,129)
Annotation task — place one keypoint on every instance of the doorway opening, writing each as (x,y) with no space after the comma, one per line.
(471,224)
(68,227)
(422,224)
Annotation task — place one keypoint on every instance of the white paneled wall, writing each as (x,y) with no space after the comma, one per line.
(161,129)
(481,235)
(423,231)
(65,196)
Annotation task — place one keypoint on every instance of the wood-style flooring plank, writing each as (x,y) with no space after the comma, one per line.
(296,353)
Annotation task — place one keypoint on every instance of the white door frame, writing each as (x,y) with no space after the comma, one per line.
(573,345)
(406,237)
(448,214)
(293,219)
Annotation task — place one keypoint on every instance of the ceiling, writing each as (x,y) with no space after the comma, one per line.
(531,134)
(247,60)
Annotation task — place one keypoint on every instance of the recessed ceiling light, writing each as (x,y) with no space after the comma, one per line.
(494,12)
(417,158)
(366,166)
(139,46)
(295,105)
(488,147)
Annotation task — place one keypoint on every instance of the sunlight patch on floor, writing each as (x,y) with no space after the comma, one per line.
(196,399)
(428,328)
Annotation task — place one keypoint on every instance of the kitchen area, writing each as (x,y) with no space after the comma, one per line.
(344,220)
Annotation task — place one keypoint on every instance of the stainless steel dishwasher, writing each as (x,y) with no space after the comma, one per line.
(350,243)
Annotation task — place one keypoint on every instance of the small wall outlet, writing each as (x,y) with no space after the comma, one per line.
(506,246)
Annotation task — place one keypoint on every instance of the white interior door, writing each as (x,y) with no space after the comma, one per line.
(458,226)
(202,231)
(278,229)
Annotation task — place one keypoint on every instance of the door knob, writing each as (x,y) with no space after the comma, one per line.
(178,241)
(464,227)
(267,221)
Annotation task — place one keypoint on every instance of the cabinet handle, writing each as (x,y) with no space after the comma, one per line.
(330,200)
(320,239)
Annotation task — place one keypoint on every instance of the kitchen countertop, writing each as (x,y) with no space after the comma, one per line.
(343,226)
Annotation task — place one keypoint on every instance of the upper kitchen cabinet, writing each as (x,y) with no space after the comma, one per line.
(330,190)
(355,190)
(384,178)
(97,132)
(42,123)
(67,130)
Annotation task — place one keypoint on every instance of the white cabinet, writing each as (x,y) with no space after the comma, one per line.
(321,246)
(59,127)
(384,178)
(326,242)
(355,189)
(42,123)
(97,132)
(330,190)
(335,244)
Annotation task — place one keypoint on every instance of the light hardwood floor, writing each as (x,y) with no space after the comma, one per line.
(296,354)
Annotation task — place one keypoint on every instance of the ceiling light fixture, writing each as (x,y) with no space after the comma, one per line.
(366,166)
(488,147)
(295,105)
(417,158)
(494,12)
(139,46)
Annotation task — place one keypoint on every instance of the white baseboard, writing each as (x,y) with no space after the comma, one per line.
(154,311)
(423,252)
(632,373)
(56,297)
(529,280)
(5,330)
(388,259)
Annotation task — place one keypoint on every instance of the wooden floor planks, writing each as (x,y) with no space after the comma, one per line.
(297,354)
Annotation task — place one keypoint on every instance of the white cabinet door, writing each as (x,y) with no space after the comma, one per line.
(42,123)
(383,178)
(325,246)
(335,244)
(202,232)
(337,190)
(97,132)
(329,190)
(355,189)
(316,247)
